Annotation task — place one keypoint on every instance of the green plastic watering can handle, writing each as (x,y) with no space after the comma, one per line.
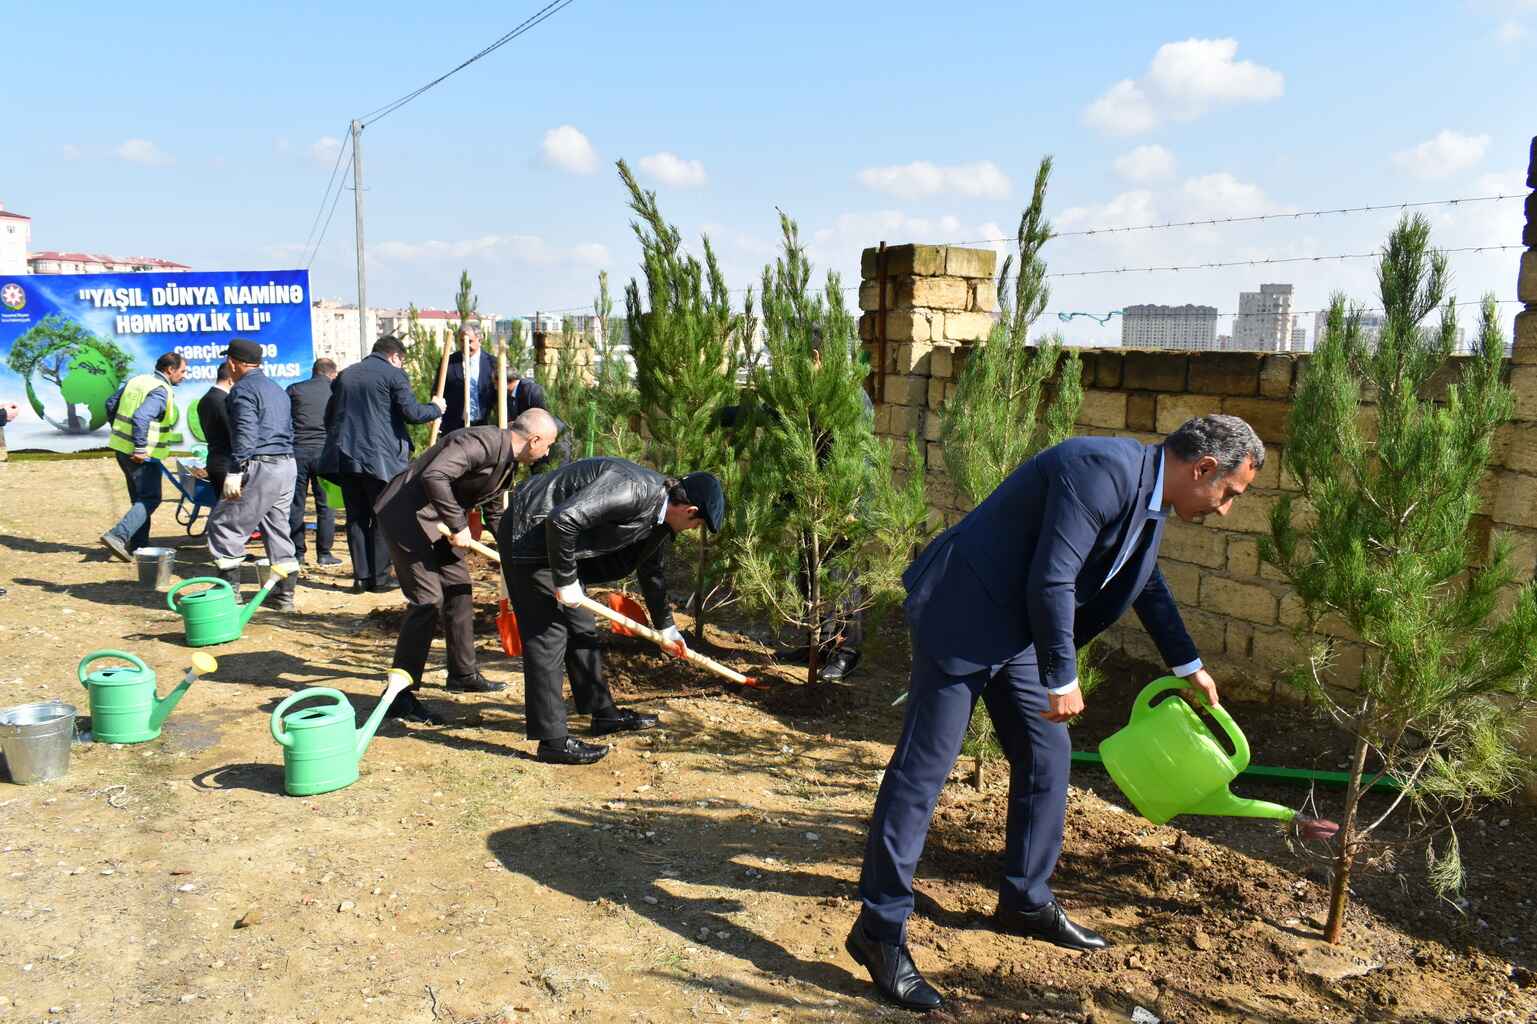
(1240,756)
(214,581)
(278,732)
(98,655)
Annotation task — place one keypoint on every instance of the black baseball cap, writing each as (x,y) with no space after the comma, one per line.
(244,351)
(704,490)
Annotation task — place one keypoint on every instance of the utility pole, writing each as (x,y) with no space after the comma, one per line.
(357,212)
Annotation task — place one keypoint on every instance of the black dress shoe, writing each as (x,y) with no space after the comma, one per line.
(569,750)
(407,708)
(841,665)
(893,971)
(328,560)
(383,586)
(1049,924)
(621,720)
(476,683)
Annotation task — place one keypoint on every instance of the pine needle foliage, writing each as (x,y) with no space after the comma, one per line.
(423,354)
(684,339)
(1382,545)
(613,392)
(565,388)
(821,496)
(1012,399)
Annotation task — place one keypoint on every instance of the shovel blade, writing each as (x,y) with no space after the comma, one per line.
(627,606)
(507,630)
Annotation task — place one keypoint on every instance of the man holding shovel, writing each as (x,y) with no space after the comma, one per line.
(591,521)
(438,489)
(997,606)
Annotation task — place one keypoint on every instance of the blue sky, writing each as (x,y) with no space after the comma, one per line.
(200,133)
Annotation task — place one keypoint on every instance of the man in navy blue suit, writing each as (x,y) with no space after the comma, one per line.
(997,607)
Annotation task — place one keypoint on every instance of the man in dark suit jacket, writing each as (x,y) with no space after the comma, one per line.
(997,606)
(482,386)
(310,400)
(213,414)
(440,487)
(367,445)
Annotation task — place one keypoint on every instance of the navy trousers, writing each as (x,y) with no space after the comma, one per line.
(1039,753)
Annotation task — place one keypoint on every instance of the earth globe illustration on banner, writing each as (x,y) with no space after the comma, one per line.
(69,373)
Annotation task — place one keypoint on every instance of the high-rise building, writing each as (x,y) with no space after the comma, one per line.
(1264,320)
(1299,339)
(1179,327)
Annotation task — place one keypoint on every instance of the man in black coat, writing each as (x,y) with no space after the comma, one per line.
(310,399)
(367,445)
(440,487)
(213,415)
(482,386)
(591,521)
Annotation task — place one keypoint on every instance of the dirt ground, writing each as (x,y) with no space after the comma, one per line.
(705,871)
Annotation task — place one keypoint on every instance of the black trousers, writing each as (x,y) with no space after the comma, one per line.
(365,541)
(306,463)
(556,640)
(435,582)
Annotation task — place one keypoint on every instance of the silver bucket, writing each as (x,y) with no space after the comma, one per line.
(35,739)
(155,565)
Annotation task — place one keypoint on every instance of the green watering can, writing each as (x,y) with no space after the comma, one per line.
(211,616)
(124,706)
(1167,761)
(321,746)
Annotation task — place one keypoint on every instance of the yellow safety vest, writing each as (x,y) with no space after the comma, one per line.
(161,437)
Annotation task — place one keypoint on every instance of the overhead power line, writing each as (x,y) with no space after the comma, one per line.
(543,14)
(1215,221)
(1104,318)
(326,195)
(1268,261)
(340,188)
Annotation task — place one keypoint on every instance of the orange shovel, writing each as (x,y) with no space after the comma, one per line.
(625,605)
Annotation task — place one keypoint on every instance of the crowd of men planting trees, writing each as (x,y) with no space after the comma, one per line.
(767,390)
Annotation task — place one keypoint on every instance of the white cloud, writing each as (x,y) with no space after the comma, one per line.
(1444,155)
(530,250)
(325,150)
(1184,81)
(1510,33)
(281,144)
(143,151)
(1222,195)
(70,151)
(568,149)
(980,180)
(671,169)
(1125,210)
(1145,163)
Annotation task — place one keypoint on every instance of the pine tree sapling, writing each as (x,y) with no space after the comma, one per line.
(1449,672)
(423,355)
(820,499)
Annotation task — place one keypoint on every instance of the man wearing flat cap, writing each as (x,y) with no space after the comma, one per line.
(591,521)
(259,486)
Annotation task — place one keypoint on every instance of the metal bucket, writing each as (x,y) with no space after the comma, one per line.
(35,739)
(155,565)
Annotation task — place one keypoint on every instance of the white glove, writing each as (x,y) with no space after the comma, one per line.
(569,594)
(232,485)
(674,638)
(440,402)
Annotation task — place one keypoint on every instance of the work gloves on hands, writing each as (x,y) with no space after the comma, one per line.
(232,485)
(569,594)
(677,648)
(440,402)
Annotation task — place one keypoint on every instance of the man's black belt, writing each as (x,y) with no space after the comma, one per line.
(270,458)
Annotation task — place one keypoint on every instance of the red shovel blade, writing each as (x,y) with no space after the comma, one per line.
(507,630)
(1320,829)
(476,525)
(627,606)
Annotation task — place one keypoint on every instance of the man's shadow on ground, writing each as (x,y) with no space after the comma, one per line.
(600,853)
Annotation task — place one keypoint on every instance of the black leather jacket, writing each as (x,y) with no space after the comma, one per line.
(594,520)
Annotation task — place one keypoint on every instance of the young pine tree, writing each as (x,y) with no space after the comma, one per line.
(820,499)
(565,386)
(613,389)
(1449,677)
(1012,399)
(686,342)
(422,358)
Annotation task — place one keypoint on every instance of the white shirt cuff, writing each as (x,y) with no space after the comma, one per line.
(1189,668)
(1057,691)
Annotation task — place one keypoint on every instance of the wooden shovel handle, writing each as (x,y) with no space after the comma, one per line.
(437,424)
(708,664)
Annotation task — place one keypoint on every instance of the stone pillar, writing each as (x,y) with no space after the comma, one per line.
(547,353)
(938,301)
